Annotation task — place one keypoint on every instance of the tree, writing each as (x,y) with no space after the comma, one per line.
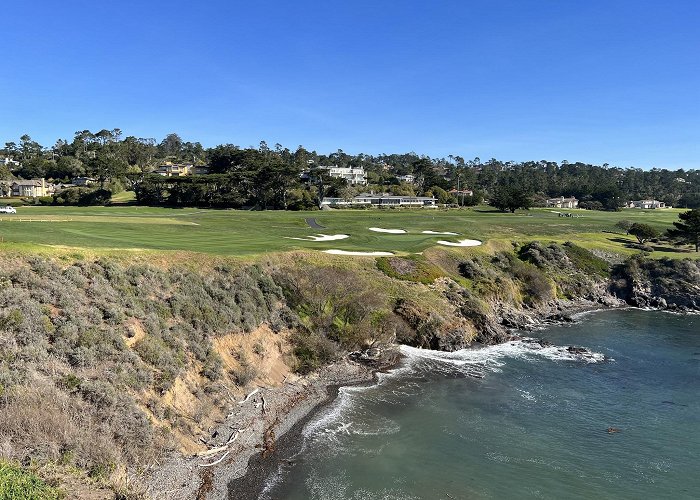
(509,198)
(643,232)
(687,229)
(625,225)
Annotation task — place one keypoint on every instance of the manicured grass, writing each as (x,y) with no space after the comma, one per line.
(241,233)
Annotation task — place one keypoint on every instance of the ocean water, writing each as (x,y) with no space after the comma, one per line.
(513,421)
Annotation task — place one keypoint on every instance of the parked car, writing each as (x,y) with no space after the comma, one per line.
(8,210)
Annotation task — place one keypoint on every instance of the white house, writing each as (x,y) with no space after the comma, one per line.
(646,204)
(410,178)
(351,174)
(380,200)
(562,202)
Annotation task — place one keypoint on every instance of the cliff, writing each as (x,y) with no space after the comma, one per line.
(110,367)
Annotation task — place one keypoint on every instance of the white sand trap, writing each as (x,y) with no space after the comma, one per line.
(460,243)
(391,231)
(366,254)
(321,237)
(440,232)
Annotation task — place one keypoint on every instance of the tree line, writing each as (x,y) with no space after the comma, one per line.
(271,177)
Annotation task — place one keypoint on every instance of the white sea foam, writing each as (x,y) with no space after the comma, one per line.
(491,358)
(390,231)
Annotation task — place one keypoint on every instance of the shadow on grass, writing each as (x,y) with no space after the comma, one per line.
(657,248)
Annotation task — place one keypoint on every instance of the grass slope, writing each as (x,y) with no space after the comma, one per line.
(246,233)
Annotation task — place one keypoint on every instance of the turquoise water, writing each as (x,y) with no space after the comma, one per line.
(534,426)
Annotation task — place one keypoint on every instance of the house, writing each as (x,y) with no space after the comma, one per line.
(10,163)
(461,192)
(646,204)
(200,170)
(380,200)
(410,178)
(34,188)
(351,174)
(84,181)
(173,170)
(562,202)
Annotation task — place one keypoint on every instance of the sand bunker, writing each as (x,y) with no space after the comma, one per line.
(439,232)
(321,237)
(460,243)
(391,231)
(367,254)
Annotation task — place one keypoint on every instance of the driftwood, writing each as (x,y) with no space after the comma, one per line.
(249,396)
(217,461)
(219,449)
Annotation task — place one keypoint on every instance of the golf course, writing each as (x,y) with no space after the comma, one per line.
(112,230)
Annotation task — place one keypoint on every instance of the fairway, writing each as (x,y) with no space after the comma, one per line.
(242,233)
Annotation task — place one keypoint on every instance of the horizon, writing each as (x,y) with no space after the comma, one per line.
(606,82)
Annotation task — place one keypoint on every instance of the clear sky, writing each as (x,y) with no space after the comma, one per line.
(591,80)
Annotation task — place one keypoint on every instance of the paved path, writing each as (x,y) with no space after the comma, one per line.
(312,223)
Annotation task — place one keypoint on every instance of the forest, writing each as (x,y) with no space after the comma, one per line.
(265,177)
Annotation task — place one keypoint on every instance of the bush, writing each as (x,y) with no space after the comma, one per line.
(17,483)
(312,351)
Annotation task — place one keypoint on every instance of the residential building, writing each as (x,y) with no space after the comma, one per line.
(410,178)
(34,188)
(173,170)
(562,202)
(351,174)
(84,181)
(646,204)
(380,200)
(461,192)
(9,162)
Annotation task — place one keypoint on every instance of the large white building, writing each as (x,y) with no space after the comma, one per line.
(646,204)
(351,174)
(380,200)
(562,202)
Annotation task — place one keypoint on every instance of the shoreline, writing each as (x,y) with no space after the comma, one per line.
(259,468)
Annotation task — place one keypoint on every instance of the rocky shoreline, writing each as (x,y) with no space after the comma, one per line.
(258,426)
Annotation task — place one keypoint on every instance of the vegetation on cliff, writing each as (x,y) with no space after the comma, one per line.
(107,363)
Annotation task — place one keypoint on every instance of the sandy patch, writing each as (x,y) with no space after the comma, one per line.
(390,231)
(440,232)
(321,237)
(359,254)
(460,243)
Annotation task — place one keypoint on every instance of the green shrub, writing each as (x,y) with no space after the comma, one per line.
(586,261)
(19,484)
(412,268)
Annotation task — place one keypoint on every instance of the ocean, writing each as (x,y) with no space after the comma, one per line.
(518,420)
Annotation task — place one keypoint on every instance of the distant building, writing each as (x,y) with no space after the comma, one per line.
(83,181)
(562,202)
(646,204)
(461,192)
(410,178)
(34,188)
(9,162)
(351,174)
(173,170)
(380,200)
(200,170)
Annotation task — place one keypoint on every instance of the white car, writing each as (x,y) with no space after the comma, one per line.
(8,210)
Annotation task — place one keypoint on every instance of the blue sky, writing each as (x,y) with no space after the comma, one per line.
(599,81)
